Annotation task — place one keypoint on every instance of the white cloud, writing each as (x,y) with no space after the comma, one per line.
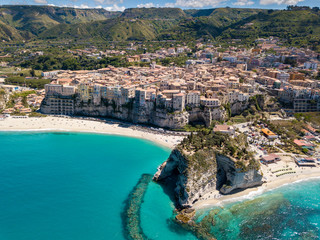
(243,3)
(169,5)
(146,5)
(115,7)
(109,2)
(41,1)
(82,6)
(279,2)
(195,3)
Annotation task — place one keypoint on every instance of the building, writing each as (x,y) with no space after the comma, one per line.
(224,129)
(63,105)
(311,65)
(304,144)
(268,134)
(49,74)
(305,162)
(59,90)
(178,102)
(193,98)
(271,158)
(210,102)
(84,91)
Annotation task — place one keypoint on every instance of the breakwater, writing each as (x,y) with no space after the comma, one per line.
(131,214)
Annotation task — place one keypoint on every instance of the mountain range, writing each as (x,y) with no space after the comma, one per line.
(297,25)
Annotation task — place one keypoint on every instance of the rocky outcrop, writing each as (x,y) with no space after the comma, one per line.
(149,112)
(202,173)
(234,178)
(238,107)
(207,115)
(146,114)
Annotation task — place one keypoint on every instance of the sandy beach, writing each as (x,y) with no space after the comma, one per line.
(271,182)
(63,124)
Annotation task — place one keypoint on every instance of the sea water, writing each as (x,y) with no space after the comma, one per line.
(73,186)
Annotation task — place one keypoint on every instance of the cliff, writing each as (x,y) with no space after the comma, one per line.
(146,114)
(202,171)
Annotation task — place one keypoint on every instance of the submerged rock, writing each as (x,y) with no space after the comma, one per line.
(131,214)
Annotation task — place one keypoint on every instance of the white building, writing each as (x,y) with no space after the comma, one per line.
(193,98)
(310,65)
(210,102)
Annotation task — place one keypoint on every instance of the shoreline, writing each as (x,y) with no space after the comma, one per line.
(79,125)
(250,193)
(118,128)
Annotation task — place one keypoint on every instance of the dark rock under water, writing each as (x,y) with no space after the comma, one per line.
(131,214)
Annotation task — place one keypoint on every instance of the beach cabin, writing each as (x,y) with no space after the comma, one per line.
(2,117)
(271,158)
(268,134)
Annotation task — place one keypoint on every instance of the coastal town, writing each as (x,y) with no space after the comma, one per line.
(261,93)
(175,120)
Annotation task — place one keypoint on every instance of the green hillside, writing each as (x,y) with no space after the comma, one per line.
(297,26)
(9,33)
(119,29)
(36,19)
(198,12)
(152,23)
(208,26)
(300,27)
(154,13)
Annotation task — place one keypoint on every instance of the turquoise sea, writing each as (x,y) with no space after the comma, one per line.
(74,186)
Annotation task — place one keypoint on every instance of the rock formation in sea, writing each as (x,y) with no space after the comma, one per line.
(131,214)
(206,162)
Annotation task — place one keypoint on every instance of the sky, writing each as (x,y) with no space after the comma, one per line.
(120,5)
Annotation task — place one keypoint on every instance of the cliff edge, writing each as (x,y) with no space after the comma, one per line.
(207,162)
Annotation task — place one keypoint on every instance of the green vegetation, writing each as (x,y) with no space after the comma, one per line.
(297,27)
(205,143)
(52,62)
(312,117)
(25,22)
(154,13)
(119,29)
(22,81)
(36,114)
(15,96)
(288,130)
(177,61)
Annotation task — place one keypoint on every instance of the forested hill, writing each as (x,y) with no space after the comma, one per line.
(154,13)
(24,22)
(295,25)
(155,24)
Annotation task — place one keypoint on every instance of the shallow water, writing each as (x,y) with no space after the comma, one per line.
(75,185)
(289,212)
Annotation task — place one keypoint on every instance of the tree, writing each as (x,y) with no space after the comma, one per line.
(33,73)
